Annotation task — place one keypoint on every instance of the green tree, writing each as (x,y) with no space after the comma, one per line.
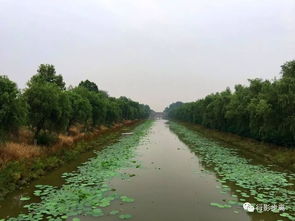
(288,69)
(264,110)
(81,109)
(65,112)
(12,108)
(97,103)
(48,108)
(46,74)
(113,112)
(91,86)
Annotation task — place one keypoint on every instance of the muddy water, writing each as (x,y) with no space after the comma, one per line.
(11,206)
(171,185)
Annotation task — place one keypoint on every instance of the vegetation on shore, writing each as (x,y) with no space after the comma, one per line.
(264,110)
(46,113)
(39,123)
(86,191)
(266,152)
(254,183)
(26,167)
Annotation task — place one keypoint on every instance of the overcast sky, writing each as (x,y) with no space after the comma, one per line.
(153,51)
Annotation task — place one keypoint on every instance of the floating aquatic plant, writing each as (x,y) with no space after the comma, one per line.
(86,191)
(125,216)
(114,212)
(24,198)
(126,199)
(266,186)
(220,205)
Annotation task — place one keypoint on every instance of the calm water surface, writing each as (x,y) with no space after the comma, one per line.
(171,185)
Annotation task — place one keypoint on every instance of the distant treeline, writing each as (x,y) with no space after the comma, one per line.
(47,107)
(264,110)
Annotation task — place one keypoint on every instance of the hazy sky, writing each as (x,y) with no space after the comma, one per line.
(153,51)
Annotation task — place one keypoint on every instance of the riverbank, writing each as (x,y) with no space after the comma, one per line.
(17,173)
(174,172)
(245,179)
(281,156)
(85,190)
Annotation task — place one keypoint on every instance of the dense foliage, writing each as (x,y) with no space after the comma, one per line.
(264,110)
(12,107)
(47,107)
(47,73)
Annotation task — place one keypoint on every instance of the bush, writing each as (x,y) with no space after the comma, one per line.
(46,139)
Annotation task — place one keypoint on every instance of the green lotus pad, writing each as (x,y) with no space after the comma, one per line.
(114,212)
(264,185)
(220,205)
(125,216)
(126,199)
(24,198)
(86,191)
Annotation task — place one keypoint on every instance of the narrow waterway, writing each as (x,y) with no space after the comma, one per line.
(172,184)
(12,206)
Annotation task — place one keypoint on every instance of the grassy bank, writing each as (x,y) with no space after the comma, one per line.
(86,191)
(282,156)
(241,177)
(25,163)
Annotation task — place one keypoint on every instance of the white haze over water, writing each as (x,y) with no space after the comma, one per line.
(155,52)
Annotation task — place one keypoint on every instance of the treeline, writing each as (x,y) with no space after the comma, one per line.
(264,110)
(47,107)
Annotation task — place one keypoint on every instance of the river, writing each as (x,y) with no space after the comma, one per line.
(172,184)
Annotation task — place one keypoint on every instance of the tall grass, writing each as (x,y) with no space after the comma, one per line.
(280,155)
(16,151)
(22,146)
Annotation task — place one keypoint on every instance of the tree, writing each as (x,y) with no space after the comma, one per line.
(264,110)
(288,69)
(12,108)
(97,103)
(46,74)
(48,108)
(81,109)
(66,110)
(91,86)
(113,112)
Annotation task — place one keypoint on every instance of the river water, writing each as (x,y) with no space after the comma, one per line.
(171,185)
